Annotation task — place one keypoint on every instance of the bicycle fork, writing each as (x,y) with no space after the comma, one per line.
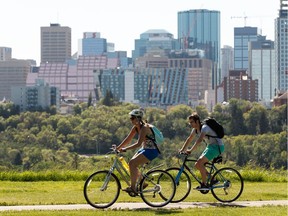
(106,181)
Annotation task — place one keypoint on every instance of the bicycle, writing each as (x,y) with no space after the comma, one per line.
(156,187)
(226,184)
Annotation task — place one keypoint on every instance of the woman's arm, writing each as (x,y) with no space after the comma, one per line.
(142,137)
(127,139)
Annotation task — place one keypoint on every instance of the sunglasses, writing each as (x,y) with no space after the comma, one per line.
(132,117)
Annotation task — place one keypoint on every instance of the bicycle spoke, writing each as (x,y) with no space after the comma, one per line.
(159,190)
(101,190)
(183,184)
(229,185)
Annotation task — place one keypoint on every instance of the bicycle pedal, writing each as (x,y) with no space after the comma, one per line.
(132,194)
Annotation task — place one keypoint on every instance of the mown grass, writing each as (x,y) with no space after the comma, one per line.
(211,211)
(71,192)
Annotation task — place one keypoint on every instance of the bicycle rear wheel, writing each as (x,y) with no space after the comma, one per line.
(160,190)
(183,184)
(228,185)
(101,189)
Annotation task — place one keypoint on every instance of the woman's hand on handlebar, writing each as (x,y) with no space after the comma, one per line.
(122,150)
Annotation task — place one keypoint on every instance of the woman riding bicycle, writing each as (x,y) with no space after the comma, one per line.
(214,148)
(146,153)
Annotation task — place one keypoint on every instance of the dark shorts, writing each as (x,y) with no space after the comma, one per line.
(150,154)
(212,151)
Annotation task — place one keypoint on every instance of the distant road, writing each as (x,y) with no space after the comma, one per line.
(143,205)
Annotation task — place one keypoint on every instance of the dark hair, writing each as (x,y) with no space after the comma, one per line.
(195,117)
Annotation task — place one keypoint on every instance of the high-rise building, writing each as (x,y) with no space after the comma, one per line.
(12,73)
(242,35)
(92,44)
(227,60)
(200,29)
(5,53)
(35,98)
(240,86)
(55,44)
(262,67)
(151,40)
(281,47)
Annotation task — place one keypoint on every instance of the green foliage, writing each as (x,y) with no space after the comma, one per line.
(40,140)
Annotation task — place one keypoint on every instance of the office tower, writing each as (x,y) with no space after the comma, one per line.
(200,29)
(240,86)
(151,40)
(73,80)
(92,44)
(262,67)
(35,98)
(242,35)
(55,44)
(227,60)
(159,87)
(12,73)
(281,47)
(5,53)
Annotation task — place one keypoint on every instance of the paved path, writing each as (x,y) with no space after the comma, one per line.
(144,206)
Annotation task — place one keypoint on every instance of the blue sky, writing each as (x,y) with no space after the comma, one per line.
(121,21)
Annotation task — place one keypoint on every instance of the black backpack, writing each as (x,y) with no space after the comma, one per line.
(215,126)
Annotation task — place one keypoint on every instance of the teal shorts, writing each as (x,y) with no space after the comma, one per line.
(212,151)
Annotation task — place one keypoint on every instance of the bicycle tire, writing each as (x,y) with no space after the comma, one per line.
(160,190)
(229,186)
(96,194)
(183,186)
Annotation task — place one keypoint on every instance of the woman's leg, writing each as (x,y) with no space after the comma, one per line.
(134,163)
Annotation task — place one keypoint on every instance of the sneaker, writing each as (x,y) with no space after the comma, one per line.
(202,187)
(129,190)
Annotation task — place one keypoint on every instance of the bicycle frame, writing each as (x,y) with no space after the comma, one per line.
(212,168)
(117,165)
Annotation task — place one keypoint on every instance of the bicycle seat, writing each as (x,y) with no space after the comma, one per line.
(218,159)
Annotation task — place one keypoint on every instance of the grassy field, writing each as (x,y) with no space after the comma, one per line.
(267,210)
(71,192)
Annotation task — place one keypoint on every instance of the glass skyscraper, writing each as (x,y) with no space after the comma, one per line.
(200,29)
(281,47)
(243,35)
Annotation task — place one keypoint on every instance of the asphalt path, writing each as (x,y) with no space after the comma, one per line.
(142,205)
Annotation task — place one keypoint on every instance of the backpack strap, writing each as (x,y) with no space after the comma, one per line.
(153,139)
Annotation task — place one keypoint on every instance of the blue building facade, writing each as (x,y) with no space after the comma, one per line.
(200,29)
(151,86)
(151,40)
(242,37)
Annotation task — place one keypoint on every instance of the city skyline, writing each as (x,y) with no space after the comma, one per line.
(129,19)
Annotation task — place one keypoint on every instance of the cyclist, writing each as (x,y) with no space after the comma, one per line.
(214,146)
(148,149)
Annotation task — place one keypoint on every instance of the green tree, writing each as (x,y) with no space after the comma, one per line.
(237,125)
(89,100)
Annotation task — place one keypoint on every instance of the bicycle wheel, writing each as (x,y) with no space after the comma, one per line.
(101,189)
(160,190)
(227,185)
(183,184)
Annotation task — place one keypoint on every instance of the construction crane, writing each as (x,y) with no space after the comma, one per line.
(242,17)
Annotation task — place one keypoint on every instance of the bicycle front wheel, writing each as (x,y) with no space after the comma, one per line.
(183,184)
(102,189)
(228,185)
(157,188)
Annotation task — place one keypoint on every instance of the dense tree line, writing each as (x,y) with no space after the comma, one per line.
(46,140)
